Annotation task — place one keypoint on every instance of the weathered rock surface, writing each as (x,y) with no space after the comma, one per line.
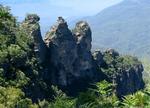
(85,68)
(84,62)
(31,26)
(130,80)
(62,47)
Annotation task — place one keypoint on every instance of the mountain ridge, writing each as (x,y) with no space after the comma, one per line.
(124,26)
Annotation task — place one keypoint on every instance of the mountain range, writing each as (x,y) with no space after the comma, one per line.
(125,27)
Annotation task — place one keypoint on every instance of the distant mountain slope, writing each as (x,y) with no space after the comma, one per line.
(125,26)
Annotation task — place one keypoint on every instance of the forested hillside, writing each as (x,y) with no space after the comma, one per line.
(124,26)
(61,71)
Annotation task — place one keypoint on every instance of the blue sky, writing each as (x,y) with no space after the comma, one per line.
(55,8)
(49,10)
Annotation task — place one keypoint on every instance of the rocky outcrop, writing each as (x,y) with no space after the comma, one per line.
(69,63)
(70,55)
(63,52)
(83,65)
(31,26)
(72,62)
(130,80)
(123,71)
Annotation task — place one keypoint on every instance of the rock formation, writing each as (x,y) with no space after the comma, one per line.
(130,80)
(84,62)
(70,54)
(31,26)
(62,47)
(69,63)
(124,71)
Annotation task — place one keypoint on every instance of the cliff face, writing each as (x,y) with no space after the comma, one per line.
(62,49)
(82,33)
(70,56)
(130,80)
(31,26)
(69,63)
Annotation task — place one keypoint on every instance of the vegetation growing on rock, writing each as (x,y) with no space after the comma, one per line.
(27,69)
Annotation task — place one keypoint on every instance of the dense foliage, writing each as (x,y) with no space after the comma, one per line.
(113,64)
(21,81)
(19,67)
